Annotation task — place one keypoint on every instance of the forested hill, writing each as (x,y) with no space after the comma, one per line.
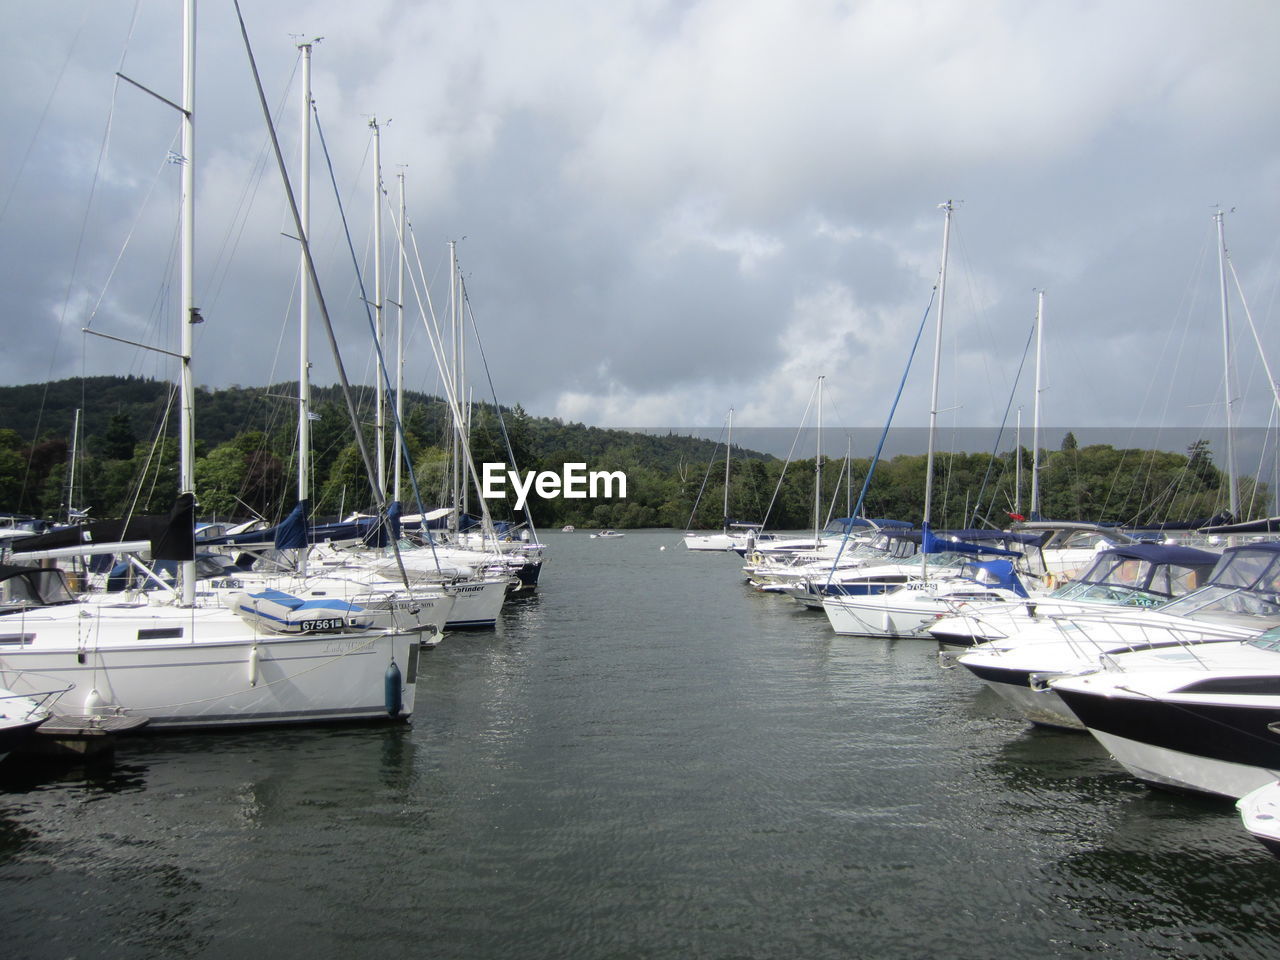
(246,463)
(121,417)
(46,412)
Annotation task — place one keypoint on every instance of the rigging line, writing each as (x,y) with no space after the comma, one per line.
(871,469)
(710,463)
(378,498)
(133,227)
(346,230)
(1187,310)
(223,259)
(400,228)
(502,423)
(44,113)
(454,401)
(1275,389)
(399,426)
(804,418)
(977,505)
(75,265)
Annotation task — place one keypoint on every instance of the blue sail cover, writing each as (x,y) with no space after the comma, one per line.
(291,532)
(964,541)
(1001,573)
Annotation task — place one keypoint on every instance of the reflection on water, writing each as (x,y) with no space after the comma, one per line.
(645,759)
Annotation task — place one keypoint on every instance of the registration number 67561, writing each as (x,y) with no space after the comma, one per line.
(328,623)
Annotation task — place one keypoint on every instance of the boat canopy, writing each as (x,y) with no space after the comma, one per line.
(997,573)
(25,587)
(172,537)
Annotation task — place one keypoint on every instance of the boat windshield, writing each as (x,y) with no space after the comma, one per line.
(1115,593)
(1215,599)
(937,560)
(1131,581)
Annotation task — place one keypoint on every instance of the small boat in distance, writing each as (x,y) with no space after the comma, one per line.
(606,535)
(568,528)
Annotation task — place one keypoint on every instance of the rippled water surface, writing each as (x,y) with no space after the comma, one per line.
(646,760)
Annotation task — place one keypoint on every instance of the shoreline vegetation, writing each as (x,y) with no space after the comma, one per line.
(246,440)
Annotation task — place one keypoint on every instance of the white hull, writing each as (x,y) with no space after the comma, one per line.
(1042,707)
(870,618)
(904,611)
(1184,771)
(214,671)
(712,541)
(476,604)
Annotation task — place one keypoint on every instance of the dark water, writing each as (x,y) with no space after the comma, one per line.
(647,760)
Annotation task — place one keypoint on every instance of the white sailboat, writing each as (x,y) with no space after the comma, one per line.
(901,600)
(183,665)
(726,539)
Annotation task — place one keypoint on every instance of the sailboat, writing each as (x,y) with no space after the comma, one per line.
(733,536)
(183,665)
(901,600)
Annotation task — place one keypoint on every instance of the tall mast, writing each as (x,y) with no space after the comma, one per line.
(817,472)
(304,288)
(71,469)
(1017,466)
(1035,421)
(304,296)
(848,476)
(728,455)
(380,425)
(453,376)
(937,362)
(1233,492)
(189,316)
(399,444)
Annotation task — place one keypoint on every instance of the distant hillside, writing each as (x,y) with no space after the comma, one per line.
(246,464)
(47,411)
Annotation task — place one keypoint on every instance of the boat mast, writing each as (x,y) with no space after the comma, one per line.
(1017,466)
(1035,422)
(948,207)
(304,298)
(380,420)
(728,455)
(189,315)
(1233,493)
(453,376)
(399,444)
(817,472)
(71,470)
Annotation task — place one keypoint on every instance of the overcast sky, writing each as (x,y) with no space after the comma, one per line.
(667,209)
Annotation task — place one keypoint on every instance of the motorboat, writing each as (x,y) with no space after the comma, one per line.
(1141,575)
(1237,603)
(607,535)
(1202,718)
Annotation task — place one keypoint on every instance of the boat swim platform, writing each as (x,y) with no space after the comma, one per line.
(74,737)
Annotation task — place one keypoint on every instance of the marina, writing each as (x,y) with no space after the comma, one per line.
(644,758)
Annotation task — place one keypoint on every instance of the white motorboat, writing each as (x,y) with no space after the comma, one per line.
(607,535)
(1202,718)
(1236,603)
(1142,575)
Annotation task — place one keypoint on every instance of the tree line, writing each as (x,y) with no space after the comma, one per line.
(246,465)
